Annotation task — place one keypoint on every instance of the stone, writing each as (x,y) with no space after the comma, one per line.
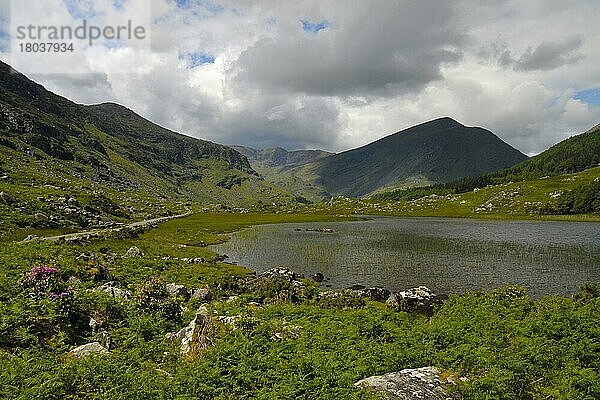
(133,252)
(177,290)
(375,294)
(114,291)
(193,336)
(31,238)
(408,384)
(88,349)
(279,272)
(420,300)
(318,277)
(201,294)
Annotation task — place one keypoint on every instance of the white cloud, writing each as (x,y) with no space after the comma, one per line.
(511,66)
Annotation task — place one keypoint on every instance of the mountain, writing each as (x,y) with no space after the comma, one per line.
(278,157)
(280,166)
(53,148)
(437,151)
(575,154)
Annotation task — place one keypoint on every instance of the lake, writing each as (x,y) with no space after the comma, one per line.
(446,255)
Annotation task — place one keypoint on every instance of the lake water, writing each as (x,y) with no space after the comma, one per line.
(447,255)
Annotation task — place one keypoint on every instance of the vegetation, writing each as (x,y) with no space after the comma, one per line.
(284,343)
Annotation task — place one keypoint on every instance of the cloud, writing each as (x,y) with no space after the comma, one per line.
(551,55)
(339,74)
(373,51)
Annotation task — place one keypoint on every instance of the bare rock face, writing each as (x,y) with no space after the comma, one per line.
(408,384)
(88,349)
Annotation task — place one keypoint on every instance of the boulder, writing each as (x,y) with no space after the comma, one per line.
(201,294)
(114,291)
(31,238)
(193,336)
(279,272)
(88,349)
(420,300)
(408,384)
(133,252)
(318,277)
(177,290)
(375,294)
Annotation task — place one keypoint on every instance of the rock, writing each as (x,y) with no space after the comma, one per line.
(421,300)
(318,277)
(88,349)
(74,281)
(408,384)
(177,290)
(375,294)
(133,252)
(279,272)
(193,336)
(201,294)
(31,238)
(114,291)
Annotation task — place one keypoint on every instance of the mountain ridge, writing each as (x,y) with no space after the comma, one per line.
(436,151)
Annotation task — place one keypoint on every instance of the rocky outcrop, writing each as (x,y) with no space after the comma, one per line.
(279,272)
(375,294)
(177,290)
(420,300)
(194,336)
(201,294)
(409,384)
(88,349)
(114,291)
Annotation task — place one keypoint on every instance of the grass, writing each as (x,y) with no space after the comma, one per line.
(506,344)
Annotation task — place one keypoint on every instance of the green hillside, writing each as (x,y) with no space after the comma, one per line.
(572,155)
(59,159)
(438,151)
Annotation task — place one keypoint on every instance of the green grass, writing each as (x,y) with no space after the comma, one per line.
(507,345)
(514,200)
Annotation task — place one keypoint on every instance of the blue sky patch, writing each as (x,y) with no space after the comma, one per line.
(589,96)
(197,59)
(314,27)
(206,6)
(80,9)
(119,4)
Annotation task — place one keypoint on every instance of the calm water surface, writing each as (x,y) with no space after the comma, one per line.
(447,255)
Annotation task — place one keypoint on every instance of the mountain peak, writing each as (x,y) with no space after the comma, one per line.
(442,123)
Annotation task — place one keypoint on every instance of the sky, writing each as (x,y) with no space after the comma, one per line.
(335,75)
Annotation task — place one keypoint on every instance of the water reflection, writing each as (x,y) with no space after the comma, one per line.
(448,255)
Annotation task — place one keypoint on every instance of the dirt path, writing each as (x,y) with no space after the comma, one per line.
(98,232)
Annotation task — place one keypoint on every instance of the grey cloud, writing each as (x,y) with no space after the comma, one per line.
(545,57)
(379,49)
(551,55)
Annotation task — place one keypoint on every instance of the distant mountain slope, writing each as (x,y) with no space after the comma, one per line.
(108,150)
(433,152)
(278,157)
(575,154)
(280,166)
